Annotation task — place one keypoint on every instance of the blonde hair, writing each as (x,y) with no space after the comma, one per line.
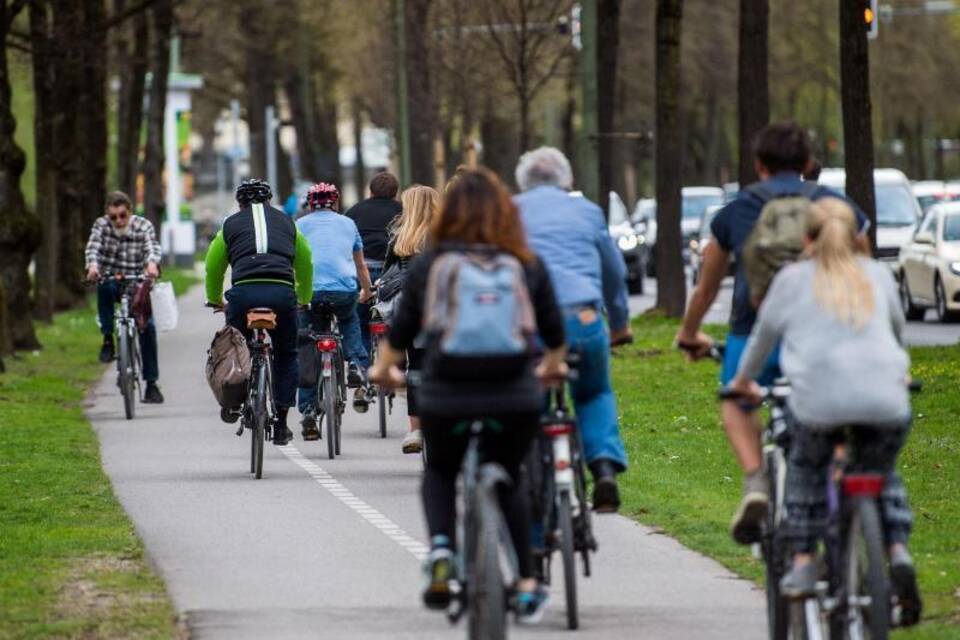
(840,285)
(420,205)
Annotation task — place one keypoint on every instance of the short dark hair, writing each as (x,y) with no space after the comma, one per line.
(782,146)
(119,199)
(812,171)
(384,185)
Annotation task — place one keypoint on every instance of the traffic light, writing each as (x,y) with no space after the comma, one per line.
(870,18)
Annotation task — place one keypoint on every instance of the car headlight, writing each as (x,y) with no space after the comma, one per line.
(955,268)
(628,242)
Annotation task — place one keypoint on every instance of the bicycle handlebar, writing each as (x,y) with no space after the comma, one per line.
(716,352)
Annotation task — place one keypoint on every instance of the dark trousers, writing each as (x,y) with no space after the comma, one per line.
(282,299)
(508,448)
(363,310)
(108,295)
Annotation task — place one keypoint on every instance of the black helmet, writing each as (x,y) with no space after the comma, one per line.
(252,191)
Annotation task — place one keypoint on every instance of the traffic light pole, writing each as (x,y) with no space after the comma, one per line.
(589,178)
(403,117)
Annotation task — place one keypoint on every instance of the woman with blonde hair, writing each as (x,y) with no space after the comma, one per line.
(420,205)
(838,320)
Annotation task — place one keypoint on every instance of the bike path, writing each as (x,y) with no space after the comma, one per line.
(329,549)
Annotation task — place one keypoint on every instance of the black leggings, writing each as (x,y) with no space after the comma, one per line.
(445,453)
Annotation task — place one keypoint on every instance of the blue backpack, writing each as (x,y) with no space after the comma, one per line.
(478,317)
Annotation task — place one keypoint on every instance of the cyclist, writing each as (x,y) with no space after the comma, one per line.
(476,213)
(782,153)
(589,276)
(271,267)
(839,320)
(338,273)
(125,244)
(374,217)
(420,205)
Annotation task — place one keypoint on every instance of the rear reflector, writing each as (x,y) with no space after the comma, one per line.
(327,345)
(378,328)
(866,484)
(558,428)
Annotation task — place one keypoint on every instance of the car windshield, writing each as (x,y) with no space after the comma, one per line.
(895,206)
(927,201)
(951,228)
(694,206)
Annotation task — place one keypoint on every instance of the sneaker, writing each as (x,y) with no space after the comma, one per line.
(282,435)
(229,415)
(746,527)
(412,442)
(438,572)
(800,582)
(107,352)
(903,575)
(606,492)
(309,429)
(354,376)
(531,605)
(360,401)
(152,395)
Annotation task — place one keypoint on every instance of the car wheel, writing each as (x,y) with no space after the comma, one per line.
(943,313)
(910,310)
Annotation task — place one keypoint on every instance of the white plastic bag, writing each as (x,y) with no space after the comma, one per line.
(164,304)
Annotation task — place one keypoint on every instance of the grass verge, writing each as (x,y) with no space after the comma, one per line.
(71,565)
(684,480)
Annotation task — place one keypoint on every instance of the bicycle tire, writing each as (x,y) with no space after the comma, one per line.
(382,410)
(341,398)
(865,560)
(328,401)
(125,366)
(779,612)
(487,604)
(565,517)
(259,422)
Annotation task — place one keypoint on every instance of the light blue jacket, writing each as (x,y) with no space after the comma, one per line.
(333,240)
(570,235)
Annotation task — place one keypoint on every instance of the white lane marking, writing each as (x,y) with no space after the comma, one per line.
(384,524)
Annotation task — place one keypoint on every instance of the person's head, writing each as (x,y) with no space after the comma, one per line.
(545,166)
(812,172)
(420,206)
(478,209)
(322,195)
(384,185)
(781,146)
(118,209)
(841,285)
(253,191)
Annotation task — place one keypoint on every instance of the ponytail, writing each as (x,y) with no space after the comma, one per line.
(840,285)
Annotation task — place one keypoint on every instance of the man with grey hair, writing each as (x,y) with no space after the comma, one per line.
(570,235)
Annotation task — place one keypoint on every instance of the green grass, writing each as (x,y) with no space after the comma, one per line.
(684,480)
(182,279)
(71,565)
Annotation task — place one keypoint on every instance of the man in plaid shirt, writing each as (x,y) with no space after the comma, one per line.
(122,243)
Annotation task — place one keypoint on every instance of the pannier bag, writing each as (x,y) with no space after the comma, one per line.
(479,315)
(164,303)
(140,304)
(308,359)
(228,367)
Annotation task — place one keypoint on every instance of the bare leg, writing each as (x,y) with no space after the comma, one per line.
(743,432)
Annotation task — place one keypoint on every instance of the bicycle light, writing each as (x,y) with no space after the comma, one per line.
(378,328)
(326,345)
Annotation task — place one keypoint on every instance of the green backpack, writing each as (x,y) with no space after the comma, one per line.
(777,237)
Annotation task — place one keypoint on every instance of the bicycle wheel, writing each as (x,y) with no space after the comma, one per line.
(487,602)
(341,404)
(126,368)
(382,410)
(565,517)
(775,559)
(868,603)
(328,404)
(259,422)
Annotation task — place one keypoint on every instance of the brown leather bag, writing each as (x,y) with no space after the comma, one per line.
(140,306)
(228,367)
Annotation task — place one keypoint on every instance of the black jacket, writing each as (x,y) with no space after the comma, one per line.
(261,243)
(373,218)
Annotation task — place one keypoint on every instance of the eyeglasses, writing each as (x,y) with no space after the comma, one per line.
(118,217)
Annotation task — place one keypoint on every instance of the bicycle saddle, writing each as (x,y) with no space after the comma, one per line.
(261,318)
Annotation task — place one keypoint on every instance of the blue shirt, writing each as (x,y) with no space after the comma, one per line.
(570,235)
(333,239)
(732,226)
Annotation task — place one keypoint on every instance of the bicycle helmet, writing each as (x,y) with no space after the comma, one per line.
(253,191)
(322,195)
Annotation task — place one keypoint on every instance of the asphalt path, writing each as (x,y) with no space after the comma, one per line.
(927,332)
(331,549)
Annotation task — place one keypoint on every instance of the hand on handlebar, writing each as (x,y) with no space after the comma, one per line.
(218,307)
(695,347)
(552,371)
(387,376)
(745,390)
(93,273)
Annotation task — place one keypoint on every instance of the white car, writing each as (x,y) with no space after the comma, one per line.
(930,266)
(898,212)
(929,193)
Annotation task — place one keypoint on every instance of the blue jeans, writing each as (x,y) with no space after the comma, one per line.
(108,295)
(592,392)
(282,299)
(736,344)
(344,304)
(363,310)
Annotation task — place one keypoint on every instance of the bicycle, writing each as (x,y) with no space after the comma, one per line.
(129,363)
(378,329)
(331,385)
(557,470)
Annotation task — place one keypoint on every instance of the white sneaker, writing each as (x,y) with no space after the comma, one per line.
(412,442)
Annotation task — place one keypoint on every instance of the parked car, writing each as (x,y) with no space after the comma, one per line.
(694,204)
(930,266)
(631,241)
(929,193)
(898,212)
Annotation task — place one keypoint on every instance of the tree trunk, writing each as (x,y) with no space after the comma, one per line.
(857,125)
(154,203)
(92,105)
(608,42)
(753,95)
(359,171)
(423,125)
(328,144)
(671,283)
(19,229)
(133,59)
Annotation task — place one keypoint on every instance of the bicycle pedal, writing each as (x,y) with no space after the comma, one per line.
(240,431)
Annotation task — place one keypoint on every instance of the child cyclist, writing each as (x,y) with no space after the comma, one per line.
(838,320)
(477,215)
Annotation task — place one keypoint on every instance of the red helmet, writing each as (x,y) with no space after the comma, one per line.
(322,195)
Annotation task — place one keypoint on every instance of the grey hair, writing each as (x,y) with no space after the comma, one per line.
(544,166)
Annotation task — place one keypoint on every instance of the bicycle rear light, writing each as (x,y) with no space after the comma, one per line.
(558,428)
(378,328)
(326,345)
(865,484)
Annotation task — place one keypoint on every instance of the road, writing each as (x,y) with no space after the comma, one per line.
(928,332)
(331,549)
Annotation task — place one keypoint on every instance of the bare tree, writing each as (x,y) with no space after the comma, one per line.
(608,43)
(753,96)
(132,52)
(162,20)
(671,283)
